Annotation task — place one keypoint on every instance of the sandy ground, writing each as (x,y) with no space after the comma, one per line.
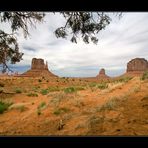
(120,109)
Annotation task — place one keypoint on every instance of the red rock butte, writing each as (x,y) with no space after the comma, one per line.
(38,69)
(102,74)
(137,66)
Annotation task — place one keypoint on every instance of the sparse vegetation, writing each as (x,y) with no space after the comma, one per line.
(18,90)
(32,95)
(44,91)
(42,105)
(4,106)
(145,76)
(69,90)
(123,79)
(61,110)
(102,85)
(52,89)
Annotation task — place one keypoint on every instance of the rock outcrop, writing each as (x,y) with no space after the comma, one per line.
(136,67)
(38,68)
(137,64)
(102,74)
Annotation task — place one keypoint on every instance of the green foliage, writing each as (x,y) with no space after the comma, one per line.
(102,85)
(42,105)
(69,90)
(32,95)
(44,91)
(18,90)
(4,106)
(86,24)
(145,75)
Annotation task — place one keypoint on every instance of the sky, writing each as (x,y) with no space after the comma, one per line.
(122,40)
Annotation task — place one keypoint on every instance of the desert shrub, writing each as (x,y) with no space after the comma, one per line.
(92,84)
(4,106)
(109,105)
(123,79)
(2,84)
(145,75)
(79,88)
(44,91)
(18,90)
(69,90)
(57,98)
(102,85)
(39,80)
(32,95)
(42,105)
(61,110)
(52,89)
(47,80)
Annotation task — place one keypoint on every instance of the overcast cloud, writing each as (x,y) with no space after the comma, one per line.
(120,42)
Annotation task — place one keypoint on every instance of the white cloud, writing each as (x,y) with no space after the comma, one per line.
(121,41)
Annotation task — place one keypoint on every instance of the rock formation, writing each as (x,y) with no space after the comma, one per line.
(136,66)
(38,68)
(102,74)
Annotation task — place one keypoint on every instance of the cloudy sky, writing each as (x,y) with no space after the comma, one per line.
(121,41)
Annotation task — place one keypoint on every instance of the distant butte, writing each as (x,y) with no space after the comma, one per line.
(38,68)
(137,66)
(102,74)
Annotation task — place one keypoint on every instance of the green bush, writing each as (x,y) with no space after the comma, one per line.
(44,91)
(4,106)
(145,75)
(42,105)
(102,85)
(18,91)
(32,95)
(69,90)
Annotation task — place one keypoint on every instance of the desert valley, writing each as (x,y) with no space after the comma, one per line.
(39,102)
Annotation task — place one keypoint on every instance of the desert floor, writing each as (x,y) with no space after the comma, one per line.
(73,106)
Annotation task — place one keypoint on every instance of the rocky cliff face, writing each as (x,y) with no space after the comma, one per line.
(38,64)
(102,74)
(137,65)
(38,68)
